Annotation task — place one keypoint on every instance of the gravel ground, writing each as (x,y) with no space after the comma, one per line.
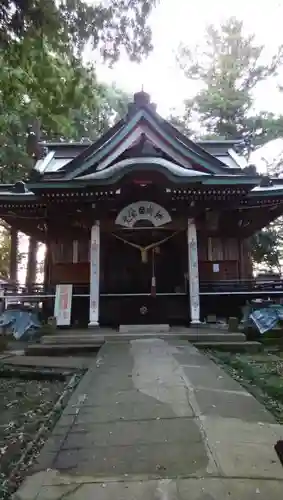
(24,404)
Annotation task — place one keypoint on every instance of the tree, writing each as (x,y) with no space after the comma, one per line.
(90,122)
(69,24)
(266,248)
(66,98)
(38,84)
(4,253)
(9,251)
(229,68)
(42,76)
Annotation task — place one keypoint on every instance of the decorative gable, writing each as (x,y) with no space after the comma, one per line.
(143,133)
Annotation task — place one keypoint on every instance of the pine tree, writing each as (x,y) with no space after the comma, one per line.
(230,66)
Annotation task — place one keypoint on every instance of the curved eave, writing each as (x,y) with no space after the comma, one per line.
(140,163)
(88,149)
(104,179)
(267,192)
(173,172)
(114,175)
(240,180)
(11,196)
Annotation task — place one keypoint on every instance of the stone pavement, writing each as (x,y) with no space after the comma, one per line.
(157,420)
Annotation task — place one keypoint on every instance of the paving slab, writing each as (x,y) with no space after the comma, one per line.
(158,489)
(233,430)
(157,419)
(228,489)
(126,433)
(211,377)
(230,404)
(257,460)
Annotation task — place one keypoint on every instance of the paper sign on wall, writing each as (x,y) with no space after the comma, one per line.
(63,304)
(215,268)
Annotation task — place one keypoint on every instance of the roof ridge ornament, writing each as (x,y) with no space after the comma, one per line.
(251,170)
(19,187)
(266,181)
(141,100)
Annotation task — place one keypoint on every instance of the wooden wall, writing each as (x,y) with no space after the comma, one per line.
(70,273)
(69,263)
(219,259)
(223,258)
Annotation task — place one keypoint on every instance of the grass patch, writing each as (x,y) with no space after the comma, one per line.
(260,373)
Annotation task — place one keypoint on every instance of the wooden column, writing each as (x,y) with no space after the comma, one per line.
(31,264)
(94,275)
(47,266)
(34,150)
(193,272)
(13,272)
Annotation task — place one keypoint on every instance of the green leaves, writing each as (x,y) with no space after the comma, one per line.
(39,84)
(266,248)
(42,76)
(70,24)
(4,252)
(229,66)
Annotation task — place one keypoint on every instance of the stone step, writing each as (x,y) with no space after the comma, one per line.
(89,339)
(164,328)
(247,346)
(61,349)
(71,339)
(190,337)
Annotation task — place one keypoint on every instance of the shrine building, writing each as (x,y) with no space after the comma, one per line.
(145,225)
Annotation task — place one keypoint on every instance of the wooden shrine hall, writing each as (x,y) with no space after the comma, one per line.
(144,225)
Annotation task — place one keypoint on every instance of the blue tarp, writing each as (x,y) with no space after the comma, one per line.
(22,323)
(267,318)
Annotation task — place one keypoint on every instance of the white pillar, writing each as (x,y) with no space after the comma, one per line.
(193,271)
(94,275)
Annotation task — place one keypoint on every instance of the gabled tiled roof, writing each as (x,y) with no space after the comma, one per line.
(70,161)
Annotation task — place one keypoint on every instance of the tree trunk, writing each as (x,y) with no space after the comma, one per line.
(13,255)
(32,263)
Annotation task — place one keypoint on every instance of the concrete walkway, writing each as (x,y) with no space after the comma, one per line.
(157,420)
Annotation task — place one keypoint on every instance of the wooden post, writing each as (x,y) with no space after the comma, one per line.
(47,264)
(34,151)
(31,264)
(193,272)
(13,255)
(94,275)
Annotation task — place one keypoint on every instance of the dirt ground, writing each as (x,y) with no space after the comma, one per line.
(24,405)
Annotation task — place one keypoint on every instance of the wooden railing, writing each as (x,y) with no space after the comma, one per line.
(206,287)
(39,289)
(241,286)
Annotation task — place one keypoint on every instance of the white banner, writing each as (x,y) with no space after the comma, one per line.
(94,275)
(193,271)
(63,304)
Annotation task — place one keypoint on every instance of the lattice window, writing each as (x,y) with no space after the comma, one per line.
(83,250)
(62,252)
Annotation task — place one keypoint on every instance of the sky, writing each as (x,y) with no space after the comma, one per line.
(182,21)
